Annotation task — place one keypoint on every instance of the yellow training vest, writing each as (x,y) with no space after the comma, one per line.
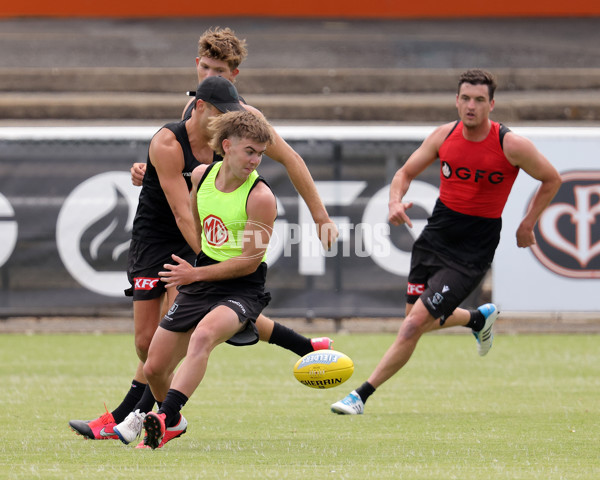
(223,216)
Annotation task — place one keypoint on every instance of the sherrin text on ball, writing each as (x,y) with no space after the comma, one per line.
(323,369)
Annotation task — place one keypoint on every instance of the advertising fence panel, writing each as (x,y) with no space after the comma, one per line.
(67,207)
(562,271)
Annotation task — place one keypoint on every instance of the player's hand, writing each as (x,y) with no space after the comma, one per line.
(138,170)
(328,233)
(525,236)
(182,273)
(397,214)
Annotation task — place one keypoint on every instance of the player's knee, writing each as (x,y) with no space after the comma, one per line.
(150,371)
(142,345)
(412,327)
(265,327)
(201,343)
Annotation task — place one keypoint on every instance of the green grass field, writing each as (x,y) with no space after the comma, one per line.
(529,410)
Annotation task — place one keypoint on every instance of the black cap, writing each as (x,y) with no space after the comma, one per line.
(220,92)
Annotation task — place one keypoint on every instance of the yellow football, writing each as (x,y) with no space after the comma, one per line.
(323,369)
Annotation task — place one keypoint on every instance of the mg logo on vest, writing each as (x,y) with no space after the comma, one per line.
(215,231)
(568,232)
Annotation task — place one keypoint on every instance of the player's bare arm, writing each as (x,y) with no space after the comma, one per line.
(262,211)
(167,157)
(303,182)
(521,152)
(300,176)
(420,159)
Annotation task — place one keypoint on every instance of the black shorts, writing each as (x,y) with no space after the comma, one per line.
(146,260)
(440,283)
(190,308)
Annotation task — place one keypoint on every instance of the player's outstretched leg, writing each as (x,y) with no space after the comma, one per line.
(485,336)
(352,404)
(289,339)
(321,343)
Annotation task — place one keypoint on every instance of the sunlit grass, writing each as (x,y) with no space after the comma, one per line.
(529,410)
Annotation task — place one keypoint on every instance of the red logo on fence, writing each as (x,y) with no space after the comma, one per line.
(215,231)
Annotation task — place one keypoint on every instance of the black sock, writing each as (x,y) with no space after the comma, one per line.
(171,406)
(365,391)
(477,321)
(127,405)
(146,403)
(287,338)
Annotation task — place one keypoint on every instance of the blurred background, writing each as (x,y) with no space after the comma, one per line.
(355,87)
(344,61)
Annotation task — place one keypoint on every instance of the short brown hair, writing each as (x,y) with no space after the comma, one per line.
(476,76)
(222,44)
(241,124)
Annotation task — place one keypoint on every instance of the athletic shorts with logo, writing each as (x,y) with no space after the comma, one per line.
(146,260)
(439,282)
(244,295)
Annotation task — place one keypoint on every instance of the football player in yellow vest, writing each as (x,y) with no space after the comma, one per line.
(221,296)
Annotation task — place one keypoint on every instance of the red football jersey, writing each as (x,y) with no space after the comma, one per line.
(475,177)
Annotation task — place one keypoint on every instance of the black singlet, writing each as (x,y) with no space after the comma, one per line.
(154,220)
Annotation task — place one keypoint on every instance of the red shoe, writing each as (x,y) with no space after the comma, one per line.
(321,343)
(99,429)
(156,427)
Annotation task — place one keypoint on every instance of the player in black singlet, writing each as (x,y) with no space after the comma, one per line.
(157,234)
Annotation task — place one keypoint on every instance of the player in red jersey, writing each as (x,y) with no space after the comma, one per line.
(479,162)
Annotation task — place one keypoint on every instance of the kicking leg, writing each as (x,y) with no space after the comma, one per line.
(278,334)
(417,322)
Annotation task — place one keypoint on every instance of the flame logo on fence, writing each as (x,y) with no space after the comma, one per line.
(105,243)
(93,231)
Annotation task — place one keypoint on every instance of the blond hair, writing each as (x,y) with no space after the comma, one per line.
(239,124)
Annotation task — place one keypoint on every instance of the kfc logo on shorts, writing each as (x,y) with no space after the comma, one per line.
(568,232)
(142,283)
(415,289)
(215,231)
